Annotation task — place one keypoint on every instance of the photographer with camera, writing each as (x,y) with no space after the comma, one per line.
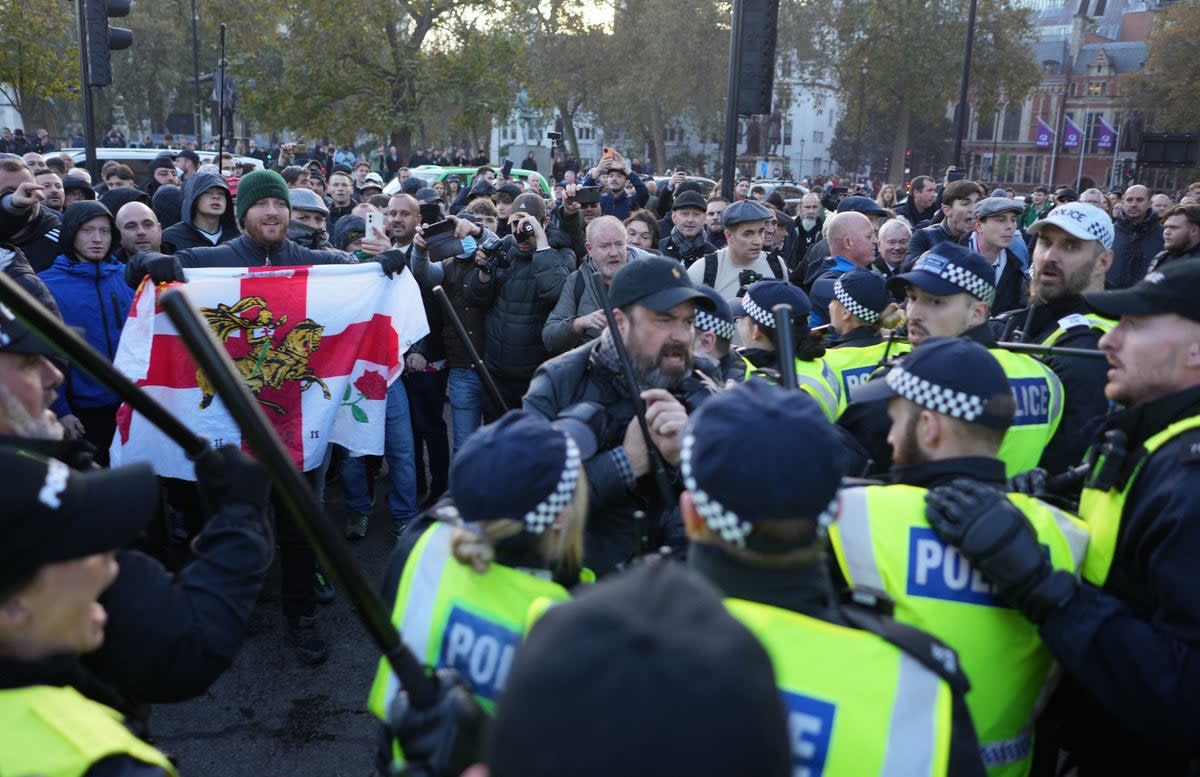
(611,175)
(725,270)
(518,283)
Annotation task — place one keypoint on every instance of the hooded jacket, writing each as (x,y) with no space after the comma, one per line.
(1135,244)
(518,299)
(184,234)
(93,297)
(38,239)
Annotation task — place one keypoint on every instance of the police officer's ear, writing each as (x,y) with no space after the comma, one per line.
(692,521)
(931,430)
(14,615)
(980,312)
(1102,264)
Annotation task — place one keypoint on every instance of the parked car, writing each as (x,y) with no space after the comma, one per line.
(139,159)
(431,173)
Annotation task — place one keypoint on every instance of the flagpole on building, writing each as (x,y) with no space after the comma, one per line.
(1112,178)
(1054,147)
(1082,149)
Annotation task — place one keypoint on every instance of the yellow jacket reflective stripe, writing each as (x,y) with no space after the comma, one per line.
(815,378)
(856,704)
(1039,395)
(854,364)
(1105,325)
(57,732)
(449,615)
(1102,509)
(882,541)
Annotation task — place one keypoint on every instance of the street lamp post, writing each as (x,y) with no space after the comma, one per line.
(197,127)
(963,84)
(862,101)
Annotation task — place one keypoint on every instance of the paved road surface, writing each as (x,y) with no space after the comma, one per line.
(272,715)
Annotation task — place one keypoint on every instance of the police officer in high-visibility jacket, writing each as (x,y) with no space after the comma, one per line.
(860,307)
(1072,255)
(865,695)
(463,579)
(950,406)
(1129,635)
(59,533)
(755,323)
(949,291)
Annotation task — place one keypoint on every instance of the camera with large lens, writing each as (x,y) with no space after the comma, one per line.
(441,242)
(495,253)
(746,279)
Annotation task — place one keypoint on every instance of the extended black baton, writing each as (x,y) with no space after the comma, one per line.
(292,488)
(639,407)
(52,329)
(1050,350)
(480,367)
(785,345)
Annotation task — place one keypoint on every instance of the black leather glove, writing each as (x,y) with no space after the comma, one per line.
(225,475)
(1031,481)
(998,540)
(162,268)
(443,738)
(392,261)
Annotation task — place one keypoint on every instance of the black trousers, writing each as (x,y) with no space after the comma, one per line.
(426,402)
(99,424)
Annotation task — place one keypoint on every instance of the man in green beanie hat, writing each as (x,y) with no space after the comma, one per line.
(264,212)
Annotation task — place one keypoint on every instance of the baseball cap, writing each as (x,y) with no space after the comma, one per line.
(629,654)
(530,203)
(519,467)
(15,337)
(745,210)
(510,190)
(1173,289)
(1081,220)
(738,455)
(719,320)
(372,179)
(760,300)
(53,513)
(864,205)
(689,200)
(427,194)
(307,199)
(991,206)
(863,293)
(949,375)
(948,269)
(657,283)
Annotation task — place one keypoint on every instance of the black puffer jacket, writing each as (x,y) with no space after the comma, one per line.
(1135,244)
(518,300)
(240,252)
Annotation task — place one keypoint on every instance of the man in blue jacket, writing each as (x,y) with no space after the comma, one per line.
(86,283)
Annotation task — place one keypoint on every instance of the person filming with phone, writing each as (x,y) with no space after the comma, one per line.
(518,282)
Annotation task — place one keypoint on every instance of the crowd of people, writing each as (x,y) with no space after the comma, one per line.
(962,545)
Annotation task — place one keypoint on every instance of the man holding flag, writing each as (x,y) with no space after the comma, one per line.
(319,376)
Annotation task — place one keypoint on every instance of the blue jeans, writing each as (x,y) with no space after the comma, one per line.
(466,403)
(402,470)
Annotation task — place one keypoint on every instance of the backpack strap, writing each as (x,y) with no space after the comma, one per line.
(710,270)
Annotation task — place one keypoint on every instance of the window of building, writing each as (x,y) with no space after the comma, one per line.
(1012,122)
(818,136)
(985,127)
(787,133)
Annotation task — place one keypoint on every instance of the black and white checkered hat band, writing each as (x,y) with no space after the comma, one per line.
(707,322)
(977,287)
(854,306)
(540,517)
(757,312)
(721,521)
(931,396)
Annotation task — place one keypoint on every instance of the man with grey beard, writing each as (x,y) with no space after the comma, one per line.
(1071,256)
(654,306)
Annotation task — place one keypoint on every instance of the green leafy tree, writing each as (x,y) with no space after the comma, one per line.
(913,55)
(1164,90)
(38,54)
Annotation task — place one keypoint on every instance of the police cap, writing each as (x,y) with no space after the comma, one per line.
(948,269)
(1173,289)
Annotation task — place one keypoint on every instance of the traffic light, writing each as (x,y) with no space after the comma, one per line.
(101,38)
(907,162)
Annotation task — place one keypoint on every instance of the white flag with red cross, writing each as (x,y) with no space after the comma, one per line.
(317,347)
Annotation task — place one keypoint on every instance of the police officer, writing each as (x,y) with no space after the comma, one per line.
(1072,253)
(715,333)
(949,291)
(860,307)
(950,406)
(168,638)
(465,577)
(755,324)
(1127,636)
(847,676)
(654,304)
(59,533)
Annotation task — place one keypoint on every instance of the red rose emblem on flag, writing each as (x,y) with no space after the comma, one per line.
(372,385)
